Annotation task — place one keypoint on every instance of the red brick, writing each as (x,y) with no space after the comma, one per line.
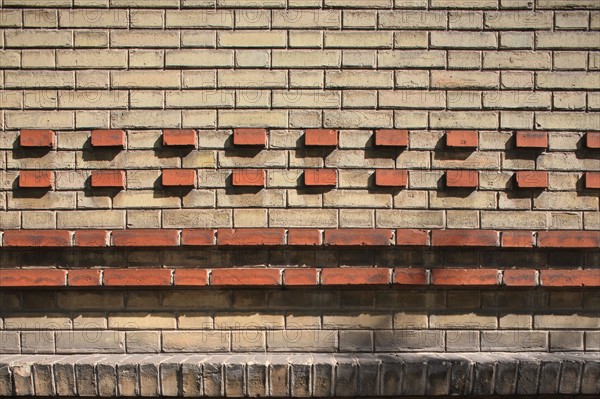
(179,178)
(179,137)
(570,278)
(592,140)
(248,178)
(358,237)
(391,178)
(36,179)
(412,237)
(37,238)
(592,180)
(531,179)
(145,238)
(407,276)
(251,236)
(517,239)
(191,277)
(84,278)
(91,238)
(254,137)
(108,178)
(36,138)
(465,238)
(321,138)
(108,138)
(471,277)
(568,239)
(137,277)
(320,177)
(462,178)
(520,278)
(32,278)
(355,276)
(300,276)
(462,138)
(532,139)
(245,276)
(198,237)
(304,237)
(391,138)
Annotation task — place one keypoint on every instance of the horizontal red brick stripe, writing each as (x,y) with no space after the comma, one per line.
(199,237)
(304,237)
(251,236)
(295,276)
(412,237)
(569,239)
(464,277)
(91,238)
(245,276)
(517,239)
(465,238)
(37,238)
(32,277)
(145,238)
(358,237)
(137,277)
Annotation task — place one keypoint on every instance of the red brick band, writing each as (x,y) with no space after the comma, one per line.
(301,237)
(271,277)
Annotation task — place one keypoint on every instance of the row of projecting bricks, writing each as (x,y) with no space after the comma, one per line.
(113,277)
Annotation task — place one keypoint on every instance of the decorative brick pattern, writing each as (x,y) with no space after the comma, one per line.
(179,138)
(108,178)
(178,178)
(253,137)
(391,138)
(532,139)
(320,177)
(36,179)
(462,138)
(321,138)
(37,138)
(108,138)
(531,179)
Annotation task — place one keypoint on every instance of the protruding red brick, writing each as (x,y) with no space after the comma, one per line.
(32,278)
(198,237)
(412,237)
(191,277)
(532,179)
(391,178)
(300,276)
(91,238)
(592,140)
(592,180)
(179,178)
(532,139)
(145,238)
(248,178)
(520,278)
(570,278)
(358,237)
(179,137)
(477,277)
(36,138)
(251,236)
(355,276)
(245,276)
(465,238)
(84,278)
(304,237)
(320,177)
(462,178)
(108,138)
(391,138)
(462,138)
(321,138)
(569,239)
(37,238)
(137,277)
(36,179)
(406,276)
(108,178)
(253,137)
(517,239)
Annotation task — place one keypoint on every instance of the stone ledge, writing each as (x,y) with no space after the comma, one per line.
(301,375)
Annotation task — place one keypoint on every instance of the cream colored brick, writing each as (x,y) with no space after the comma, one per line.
(466,200)
(270,39)
(146,58)
(252,58)
(10,18)
(198,58)
(252,118)
(412,59)
(465,20)
(261,199)
(357,218)
(516,40)
(38,59)
(464,80)
(591,220)
(495,180)
(142,179)
(360,19)
(462,219)
(513,220)
(71,179)
(92,79)
(464,120)
(567,40)
(412,99)
(147,18)
(248,19)
(411,199)
(411,39)
(571,60)
(305,39)
(425,179)
(199,18)
(90,219)
(127,160)
(358,59)
(559,181)
(412,19)
(356,199)
(10,220)
(349,39)
(357,119)
(326,218)
(144,38)
(195,321)
(517,59)
(51,199)
(253,99)
(516,80)
(92,119)
(306,99)
(479,40)
(566,220)
(284,178)
(147,219)
(90,39)
(303,119)
(146,79)
(37,80)
(38,38)
(145,199)
(568,80)
(354,178)
(359,3)
(252,79)
(10,59)
(358,139)
(199,199)
(568,121)
(359,159)
(200,99)
(516,100)
(91,59)
(250,218)
(39,99)
(39,220)
(564,201)
(199,119)
(409,219)
(93,18)
(569,100)
(499,20)
(39,119)
(464,60)
(363,79)
(146,99)
(464,99)
(92,99)
(311,19)
(516,120)
(198,39)
(303,199)
(145,119)
(141,321)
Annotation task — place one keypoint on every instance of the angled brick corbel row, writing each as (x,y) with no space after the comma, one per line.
(273,277)
(301,237)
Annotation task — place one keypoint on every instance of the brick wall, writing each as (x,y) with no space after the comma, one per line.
(418,179)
